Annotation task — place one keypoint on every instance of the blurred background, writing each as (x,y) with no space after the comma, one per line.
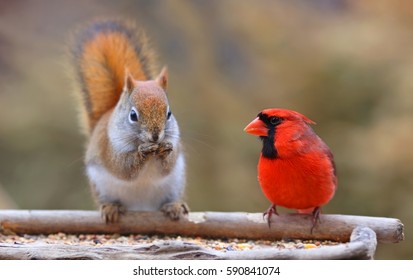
(346,64)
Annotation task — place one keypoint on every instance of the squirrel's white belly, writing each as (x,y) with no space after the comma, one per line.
(148,192)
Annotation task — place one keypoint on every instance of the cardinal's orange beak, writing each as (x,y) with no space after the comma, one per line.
(257,127)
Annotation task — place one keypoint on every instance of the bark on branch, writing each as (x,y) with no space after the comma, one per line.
(203,224)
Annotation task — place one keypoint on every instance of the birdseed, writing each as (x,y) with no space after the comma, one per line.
(230,244)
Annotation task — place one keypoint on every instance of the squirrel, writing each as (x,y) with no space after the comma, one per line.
(134,157)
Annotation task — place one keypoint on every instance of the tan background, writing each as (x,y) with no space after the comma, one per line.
(345,64)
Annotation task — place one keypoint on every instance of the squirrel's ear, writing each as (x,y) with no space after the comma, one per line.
(162,78)
(129,81)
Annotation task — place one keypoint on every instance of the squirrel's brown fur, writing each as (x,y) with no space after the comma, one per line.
(102,52)
(134,158)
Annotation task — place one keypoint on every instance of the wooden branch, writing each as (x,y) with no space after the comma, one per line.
(361,246)
(202,224)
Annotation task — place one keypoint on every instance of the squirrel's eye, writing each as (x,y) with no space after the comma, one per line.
(168,115)
(275,120)
(133,116)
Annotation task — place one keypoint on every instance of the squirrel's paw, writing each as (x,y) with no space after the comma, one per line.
(111,212)
(164,149)
(175,210)
(147,148)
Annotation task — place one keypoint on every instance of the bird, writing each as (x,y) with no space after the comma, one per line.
(296,168)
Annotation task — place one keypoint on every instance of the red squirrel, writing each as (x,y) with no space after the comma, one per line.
(134,157)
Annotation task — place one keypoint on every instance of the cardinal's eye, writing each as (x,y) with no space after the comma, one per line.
(133,116)
(275,120)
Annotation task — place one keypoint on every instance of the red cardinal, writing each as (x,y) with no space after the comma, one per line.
(296,169)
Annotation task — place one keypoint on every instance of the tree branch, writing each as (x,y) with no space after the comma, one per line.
(203,224)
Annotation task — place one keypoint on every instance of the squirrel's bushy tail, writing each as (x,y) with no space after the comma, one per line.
(101,52)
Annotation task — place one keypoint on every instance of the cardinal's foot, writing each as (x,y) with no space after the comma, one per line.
(316,217)
(270,211)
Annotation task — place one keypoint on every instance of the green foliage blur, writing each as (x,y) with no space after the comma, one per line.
(347,65)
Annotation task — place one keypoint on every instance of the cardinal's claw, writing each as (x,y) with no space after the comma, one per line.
(271,210)
(316,217)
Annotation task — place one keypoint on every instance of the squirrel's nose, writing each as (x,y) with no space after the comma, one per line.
(155,137)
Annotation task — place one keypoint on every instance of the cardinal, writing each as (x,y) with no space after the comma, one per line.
(296,168)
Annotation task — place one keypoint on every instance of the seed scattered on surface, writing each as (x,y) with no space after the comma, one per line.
(225,244)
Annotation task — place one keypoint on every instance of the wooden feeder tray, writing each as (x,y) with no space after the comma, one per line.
(26,234)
